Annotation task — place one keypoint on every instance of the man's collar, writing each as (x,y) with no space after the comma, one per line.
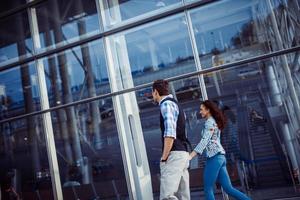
(168,96)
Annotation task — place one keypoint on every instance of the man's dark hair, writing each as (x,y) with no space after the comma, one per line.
(162,87)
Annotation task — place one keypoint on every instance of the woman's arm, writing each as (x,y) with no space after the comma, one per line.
(208,130)
(192,155)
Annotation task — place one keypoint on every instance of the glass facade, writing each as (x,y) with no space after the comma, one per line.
(76,74)
(76,98)
(23,161)
(20,90)
(88,150)
(15,38)
(154,54)
(117,12)
(63,22)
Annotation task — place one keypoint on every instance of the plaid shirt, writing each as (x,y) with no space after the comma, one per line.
(170,112)
(210,141)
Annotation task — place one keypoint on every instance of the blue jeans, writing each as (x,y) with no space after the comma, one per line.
(215,170)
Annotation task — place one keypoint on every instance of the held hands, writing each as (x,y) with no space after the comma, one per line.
(192,155)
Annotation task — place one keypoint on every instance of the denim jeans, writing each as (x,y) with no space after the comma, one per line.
(215,170)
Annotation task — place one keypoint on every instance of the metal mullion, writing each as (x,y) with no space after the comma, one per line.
(236,64)
(125,151)
(196,54)
(20,8)
(47,121)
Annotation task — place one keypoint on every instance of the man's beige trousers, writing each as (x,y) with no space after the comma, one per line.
(174,180)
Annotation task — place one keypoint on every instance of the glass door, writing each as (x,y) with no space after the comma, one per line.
(157,50)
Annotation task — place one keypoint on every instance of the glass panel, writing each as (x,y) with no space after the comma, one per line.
(19,91)
(23,160)
(76,74)
(227,31)
(88,150)
(154,51)
(287,16)
(8,5)
(117,11)
(15,39)
(188,94)
(61,22)
(256,100)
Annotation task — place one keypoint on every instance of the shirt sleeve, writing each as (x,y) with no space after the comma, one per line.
(207,134)
(169,111)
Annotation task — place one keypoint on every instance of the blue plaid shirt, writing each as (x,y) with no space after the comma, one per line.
(170,112)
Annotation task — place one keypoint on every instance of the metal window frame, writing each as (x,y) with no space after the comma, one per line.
(46,117)
(134,155)
(196,53)
(237,65)
(138,22)
(21,8)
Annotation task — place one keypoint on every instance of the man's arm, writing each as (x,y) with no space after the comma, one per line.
(168,143)
(169,111)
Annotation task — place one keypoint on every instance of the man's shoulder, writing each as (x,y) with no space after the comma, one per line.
(168,102)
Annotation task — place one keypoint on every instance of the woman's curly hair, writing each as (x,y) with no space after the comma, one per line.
(216,113)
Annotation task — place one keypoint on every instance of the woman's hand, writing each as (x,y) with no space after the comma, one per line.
(192,155)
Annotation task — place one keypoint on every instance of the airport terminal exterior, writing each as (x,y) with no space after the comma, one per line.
(76,113)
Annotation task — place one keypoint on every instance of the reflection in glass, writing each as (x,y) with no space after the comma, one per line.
(15,38)
(24,166)
(227,31)
(117,11)
(19,91)
(89,170)
(155,51)
(187,92)
(251,99)
(76,74)
(61,22)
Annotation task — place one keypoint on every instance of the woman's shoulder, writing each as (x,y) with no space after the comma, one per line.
(210,121)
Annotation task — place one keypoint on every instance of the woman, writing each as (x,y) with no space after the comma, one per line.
(215,166)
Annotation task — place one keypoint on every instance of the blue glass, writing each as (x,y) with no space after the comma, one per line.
(62,22)
(227,31)
(152,53)
(19,90)
(15,38)
(76,73)
(118,11)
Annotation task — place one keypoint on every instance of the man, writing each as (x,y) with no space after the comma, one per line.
(174,183)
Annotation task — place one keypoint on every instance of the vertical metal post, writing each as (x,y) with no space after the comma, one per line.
(66,86)
(47,122)
(290,85)
(132,145)
(284,61)
(113,79)
(55,85)
(196,54)
(99,140)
